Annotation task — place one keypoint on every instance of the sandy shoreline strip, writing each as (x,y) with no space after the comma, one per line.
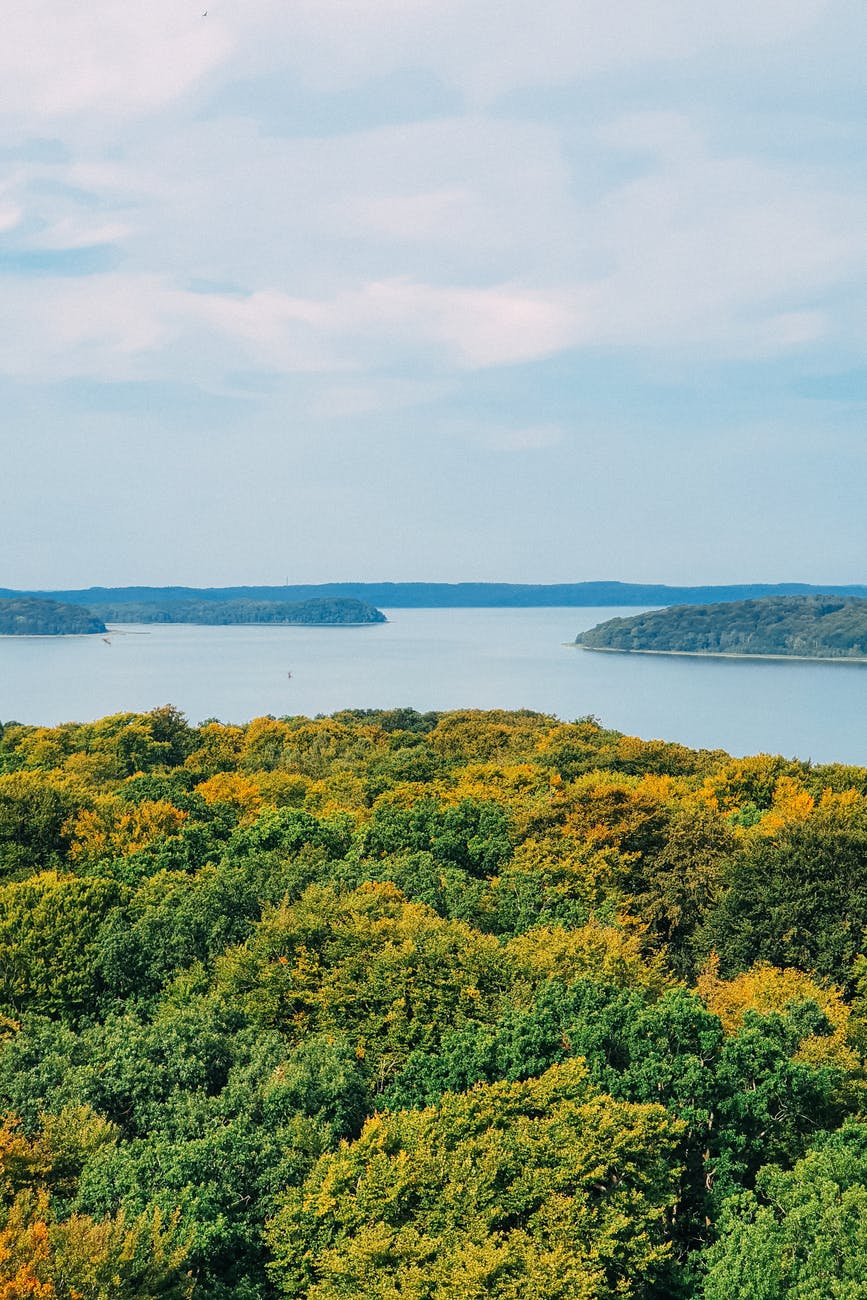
(723,654)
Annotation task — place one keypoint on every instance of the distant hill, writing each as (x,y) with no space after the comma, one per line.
(27,616)
(314,613)
(432,595)
(813,626)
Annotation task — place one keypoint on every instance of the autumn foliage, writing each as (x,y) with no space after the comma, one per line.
(430,1006)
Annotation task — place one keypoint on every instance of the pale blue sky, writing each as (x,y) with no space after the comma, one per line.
(433,289)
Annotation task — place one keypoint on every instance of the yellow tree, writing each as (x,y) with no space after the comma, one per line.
(544,1190)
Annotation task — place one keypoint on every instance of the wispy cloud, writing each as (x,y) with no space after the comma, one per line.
(60,61)
(727,254)
(490,47)
(497,223)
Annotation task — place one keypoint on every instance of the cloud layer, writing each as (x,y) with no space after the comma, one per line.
(528,227)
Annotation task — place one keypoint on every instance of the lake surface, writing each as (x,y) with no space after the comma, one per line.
(441,659)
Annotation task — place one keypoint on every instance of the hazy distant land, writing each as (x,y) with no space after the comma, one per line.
(432,595)
(800,627)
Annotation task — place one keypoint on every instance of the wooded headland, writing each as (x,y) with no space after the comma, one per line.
(26,616)
(801,627)
(31,616)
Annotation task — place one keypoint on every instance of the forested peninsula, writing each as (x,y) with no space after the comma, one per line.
(437,1005)
(29,616)
(26,616)
(805,627)
(327,612)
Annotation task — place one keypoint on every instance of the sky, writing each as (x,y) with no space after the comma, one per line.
(321,290)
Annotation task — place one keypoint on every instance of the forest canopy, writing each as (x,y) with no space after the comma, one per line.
(440,1005)
(221,612)
(812,626)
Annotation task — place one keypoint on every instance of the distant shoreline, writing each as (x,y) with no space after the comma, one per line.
(167,622)
(722,654)
(121,630)
(272,623)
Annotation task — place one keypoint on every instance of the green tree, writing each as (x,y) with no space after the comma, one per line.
(803,1233)
(533,1191)
(799,899)
(34,816)
(49,927)
(471,835)
(388,974)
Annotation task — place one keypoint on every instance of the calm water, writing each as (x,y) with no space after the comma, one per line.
(441,659)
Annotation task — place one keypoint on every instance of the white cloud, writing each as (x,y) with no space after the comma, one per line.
(452,245)
(98,326)
(722,256)
(258,228)
(10,216)
(108,61)
(59,59)
(76,232)
(502,325)
(718,253)
(488,47)
(132,326)
(728,256)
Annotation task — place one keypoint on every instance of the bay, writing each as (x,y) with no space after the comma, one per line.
(441,659)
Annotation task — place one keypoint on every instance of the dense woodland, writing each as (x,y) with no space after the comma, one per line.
(431,1006)
(31,616)
(813,626)
(223,612)
(25,616)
